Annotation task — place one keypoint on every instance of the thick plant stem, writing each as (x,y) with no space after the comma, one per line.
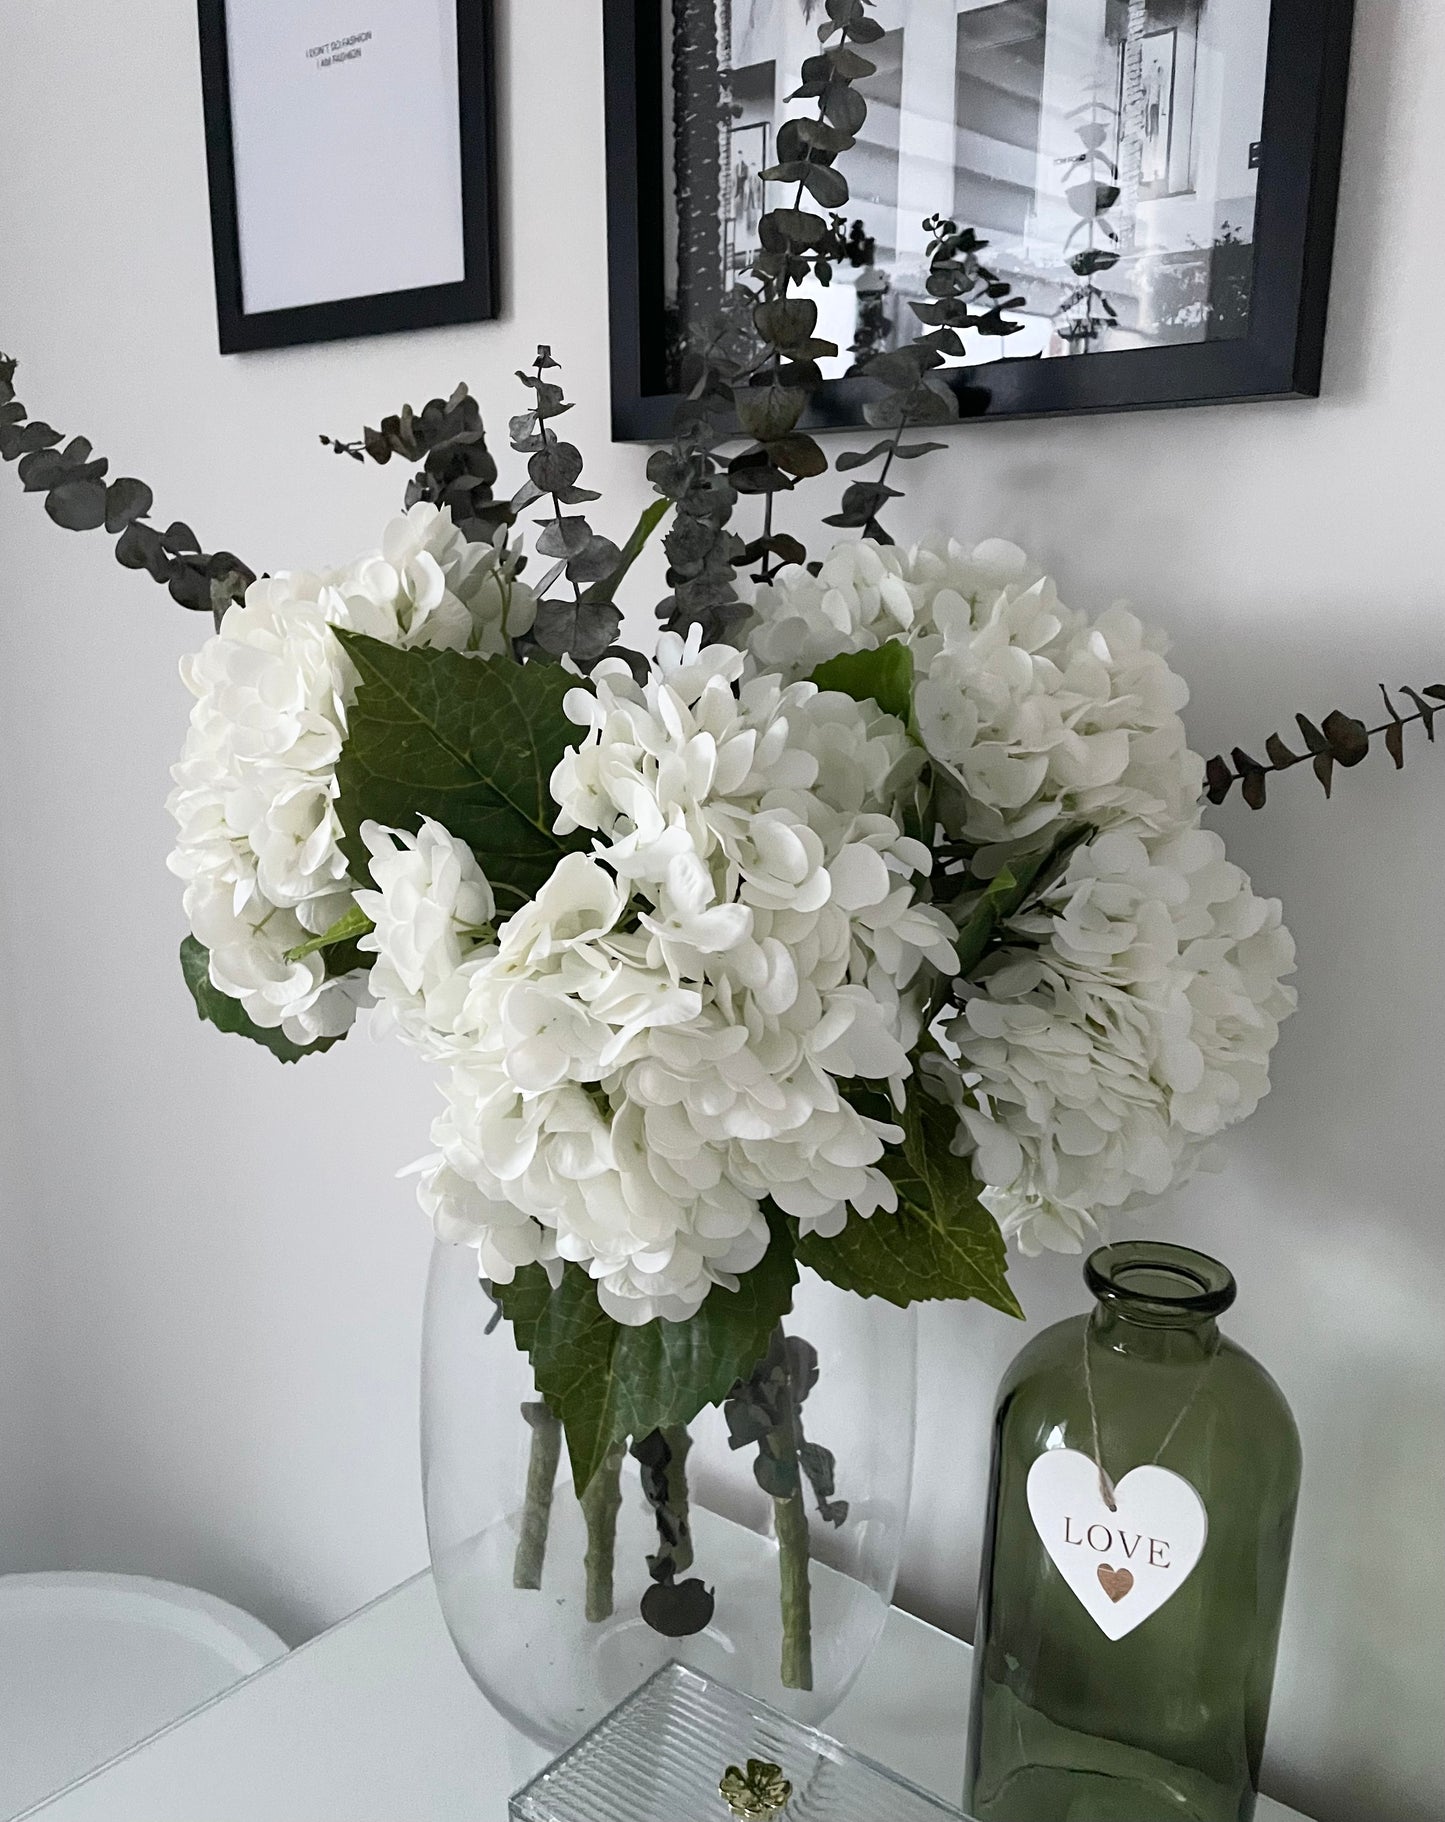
(784,1444)
(679,1442)
(600,1505)
(791,1518)
(537,1511)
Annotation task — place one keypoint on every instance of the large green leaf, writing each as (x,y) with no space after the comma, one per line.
(884,675)
(226,1014)
(608,1383)
(941,1243)
(471,742)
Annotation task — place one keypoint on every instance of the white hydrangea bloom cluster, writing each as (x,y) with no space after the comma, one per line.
(654,1044)
(1132,1023)
(1038,713)
(1132,1017)
(255,797)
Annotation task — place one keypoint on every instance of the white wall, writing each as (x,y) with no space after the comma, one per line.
(231,1305)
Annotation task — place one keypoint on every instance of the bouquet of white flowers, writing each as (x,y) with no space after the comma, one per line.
(866,923)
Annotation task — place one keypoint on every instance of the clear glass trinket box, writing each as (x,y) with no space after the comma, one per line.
(665,1754)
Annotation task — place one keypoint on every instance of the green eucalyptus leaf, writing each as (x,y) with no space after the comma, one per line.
(884,676)
(607,1382)
(471,742)
(229,1015)
(941,1243)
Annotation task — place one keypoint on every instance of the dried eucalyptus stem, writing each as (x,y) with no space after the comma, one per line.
(542,1464)
(1339,740)
(677,1609)
(601,1503)
(79,498)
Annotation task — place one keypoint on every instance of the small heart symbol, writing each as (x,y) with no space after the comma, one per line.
(1116,1583)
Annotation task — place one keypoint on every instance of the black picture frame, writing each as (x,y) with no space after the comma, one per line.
(1281,356)
(475,298)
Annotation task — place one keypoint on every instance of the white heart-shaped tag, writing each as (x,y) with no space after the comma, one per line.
(1123,1565)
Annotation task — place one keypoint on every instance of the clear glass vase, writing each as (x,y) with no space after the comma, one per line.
(1145,1474)
(545,1603)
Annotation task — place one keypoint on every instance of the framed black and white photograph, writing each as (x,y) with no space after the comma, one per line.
(1155,181)
(351,156)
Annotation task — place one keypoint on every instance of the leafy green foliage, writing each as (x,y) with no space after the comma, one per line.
(78,498)
(347,928)
(1007,893)
(229,1015)
(884,676)
(470,742)
(607,1382)
(1339,740)
(942,1243)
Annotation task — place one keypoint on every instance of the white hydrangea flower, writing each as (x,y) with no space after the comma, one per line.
(432,908)
(1041,715)
(656,1042)
(255,797)
(1133,1022)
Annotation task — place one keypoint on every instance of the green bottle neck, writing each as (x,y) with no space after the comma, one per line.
(1168,1343)
(1156,1302)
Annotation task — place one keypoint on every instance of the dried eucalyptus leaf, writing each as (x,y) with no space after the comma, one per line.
(1395,743)
(827,187)
(860,458)
(766,412)
(555,467)
(579,630)
(1349,739)
(1219,780)
(798,455)
(799,227)
(787,322)
(565,538)
(126,499)
(140,548)
(1279,754)
(77,504)
(41,470)
(597,558)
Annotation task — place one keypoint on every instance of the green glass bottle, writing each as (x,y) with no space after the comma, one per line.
(1129,1606)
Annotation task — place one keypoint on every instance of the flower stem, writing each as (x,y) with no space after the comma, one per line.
(679,1442)
(537,1512)
(783,1444)
(791,1518)
(600,1505)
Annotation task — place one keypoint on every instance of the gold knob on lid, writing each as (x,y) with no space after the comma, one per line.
(757,1794)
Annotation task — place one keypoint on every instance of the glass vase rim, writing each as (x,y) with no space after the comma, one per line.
(1155,1281)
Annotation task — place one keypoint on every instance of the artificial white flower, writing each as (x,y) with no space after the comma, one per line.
(259,842)
(1040,715)
(1132,1022)
(432,907)
(656,1043)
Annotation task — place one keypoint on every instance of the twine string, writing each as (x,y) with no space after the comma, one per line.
(1106,1486)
